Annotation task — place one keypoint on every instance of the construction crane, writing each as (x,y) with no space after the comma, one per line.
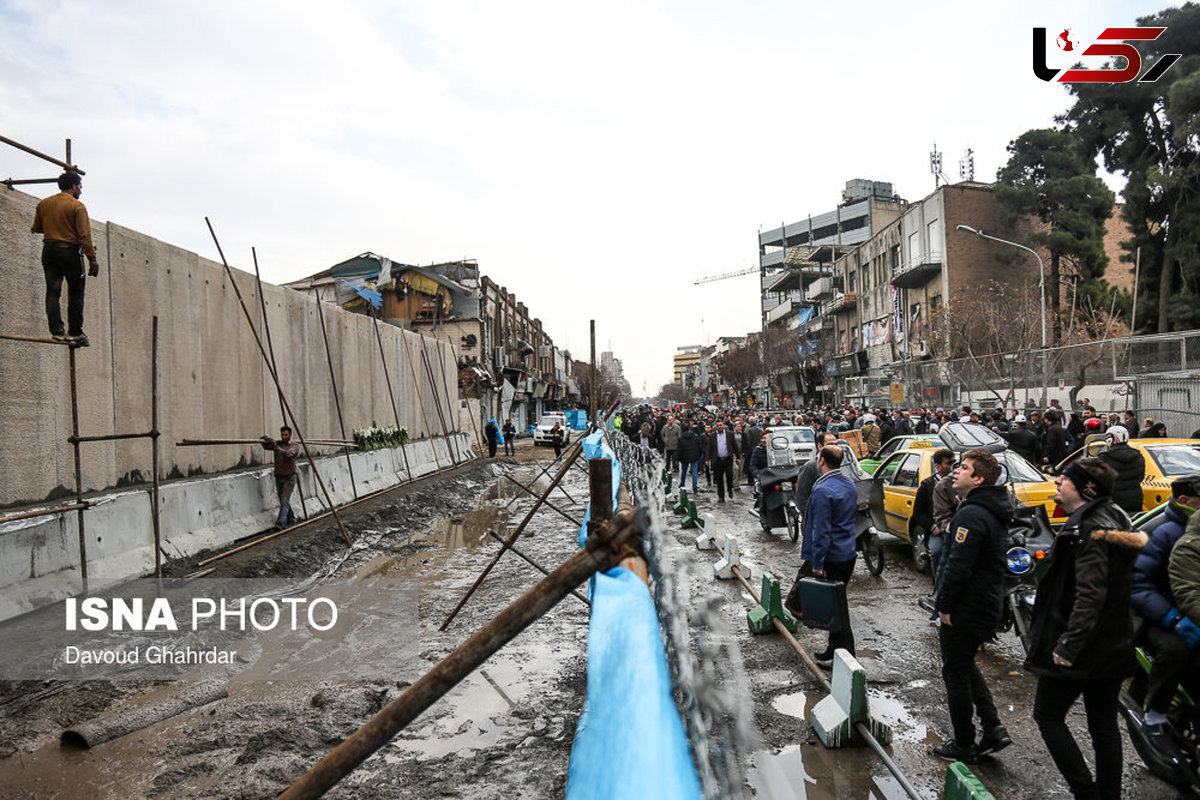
(724,275)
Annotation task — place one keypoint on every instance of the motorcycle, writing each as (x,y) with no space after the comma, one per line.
(1183,722)
(1030,540)
(774,489)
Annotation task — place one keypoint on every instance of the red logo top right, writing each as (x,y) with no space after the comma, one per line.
(1112,42)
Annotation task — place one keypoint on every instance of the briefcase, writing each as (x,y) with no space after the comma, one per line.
(824,604)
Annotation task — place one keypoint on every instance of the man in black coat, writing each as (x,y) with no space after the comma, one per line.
(724,451)
(1130,467)
(1082,634)
(1054,443)
(1023,441)
(970,605)
(690,452)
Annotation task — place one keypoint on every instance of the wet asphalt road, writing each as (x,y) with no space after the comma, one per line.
(897,645)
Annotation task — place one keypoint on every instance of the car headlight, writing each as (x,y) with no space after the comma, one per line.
(1019,560)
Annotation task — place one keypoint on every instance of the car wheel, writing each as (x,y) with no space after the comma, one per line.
(872,547)
(920,554)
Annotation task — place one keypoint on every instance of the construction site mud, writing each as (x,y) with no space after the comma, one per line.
(507,730)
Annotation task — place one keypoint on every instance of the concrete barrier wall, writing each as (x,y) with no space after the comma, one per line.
(212,380)
(39,558)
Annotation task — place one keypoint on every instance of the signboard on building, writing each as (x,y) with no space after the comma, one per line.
(897,393)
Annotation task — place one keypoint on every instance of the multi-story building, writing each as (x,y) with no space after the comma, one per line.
(507,362)
(796,276)
(687,365)
(896,285)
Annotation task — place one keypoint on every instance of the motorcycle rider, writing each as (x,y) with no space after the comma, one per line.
(970,605)
(1169,635)
(1082,634)
(1130,468)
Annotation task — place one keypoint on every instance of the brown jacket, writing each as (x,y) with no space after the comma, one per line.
(62,218)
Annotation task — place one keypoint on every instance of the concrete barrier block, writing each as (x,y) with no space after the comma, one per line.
(668,478)
(708,538)
(770,607)
(723,569)
(691,517)
(961,784)
(681,505)
(834,718)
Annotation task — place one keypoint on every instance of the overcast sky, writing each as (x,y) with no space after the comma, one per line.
(594,158)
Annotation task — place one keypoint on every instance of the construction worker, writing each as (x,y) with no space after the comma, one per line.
(286,474)
(66,240)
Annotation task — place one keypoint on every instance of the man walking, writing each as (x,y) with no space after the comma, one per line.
(723,448)
(66,240)
(690,452)
(510,432)
(286,474)
(970,605)
(830,531)
(491,433)
(670,440)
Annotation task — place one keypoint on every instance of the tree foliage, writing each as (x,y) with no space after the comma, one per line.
(1149,132)
(1050,177)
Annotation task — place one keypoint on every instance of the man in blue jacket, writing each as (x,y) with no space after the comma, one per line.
(1169,636)
(829,534)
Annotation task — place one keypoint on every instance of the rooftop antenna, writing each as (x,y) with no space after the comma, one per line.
(966,166)
(935,165)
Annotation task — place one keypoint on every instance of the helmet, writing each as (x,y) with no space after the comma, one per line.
(1117,433)
(1020,419)
(1092,424)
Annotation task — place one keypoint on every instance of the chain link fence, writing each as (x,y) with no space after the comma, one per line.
(1146,374)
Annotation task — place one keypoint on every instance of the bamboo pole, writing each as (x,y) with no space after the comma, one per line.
(549,505)
(83,571)
(44,513)
(275,377)
(154,497)
(420,398)
(600,554)
(266,326)
(392,396)
(337,402)
(479,443)
(451,447)
(532,563)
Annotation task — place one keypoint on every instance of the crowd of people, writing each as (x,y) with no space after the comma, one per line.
(1105,588)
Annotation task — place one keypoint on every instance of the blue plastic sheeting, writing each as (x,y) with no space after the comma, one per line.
(630,740)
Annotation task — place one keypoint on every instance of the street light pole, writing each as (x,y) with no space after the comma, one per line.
(1041,286)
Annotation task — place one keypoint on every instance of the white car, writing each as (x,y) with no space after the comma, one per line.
(803,440)
(542,435)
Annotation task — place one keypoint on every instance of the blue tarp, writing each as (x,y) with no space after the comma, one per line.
(630,741)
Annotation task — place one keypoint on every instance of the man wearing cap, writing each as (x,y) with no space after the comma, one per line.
(870,433)
(1130,468)
(1169,635)
(1082,634)
(1022,441)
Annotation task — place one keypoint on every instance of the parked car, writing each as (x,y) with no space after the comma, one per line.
(803,440)
(1165,459)
(896,480)
(541,434)
(873,460)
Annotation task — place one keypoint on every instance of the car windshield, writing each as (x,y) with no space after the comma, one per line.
(1019,470)
(1176,459)
(549,421)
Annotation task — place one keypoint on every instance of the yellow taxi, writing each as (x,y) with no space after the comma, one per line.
(897,478)
(1165,460)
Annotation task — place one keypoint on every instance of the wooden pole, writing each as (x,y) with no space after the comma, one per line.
(262,301)
(600,554)
(420,398)
(387,376)
(451,447)
(333,382)
(154,497)
(275,376)
(83,571)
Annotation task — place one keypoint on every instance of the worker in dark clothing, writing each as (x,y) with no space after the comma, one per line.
(922,522)
(970,604)
(1055,445)
(491,433)
(66,241)
(1023,441)
(557,434)
(286,474)
(1130,468)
